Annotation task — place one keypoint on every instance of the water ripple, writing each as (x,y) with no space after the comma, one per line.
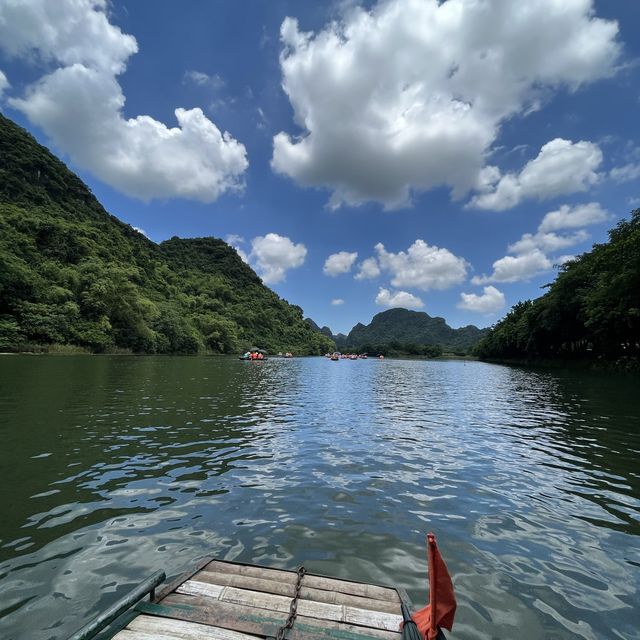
(120,466)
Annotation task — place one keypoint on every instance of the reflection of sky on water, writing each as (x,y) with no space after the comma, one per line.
(125,465)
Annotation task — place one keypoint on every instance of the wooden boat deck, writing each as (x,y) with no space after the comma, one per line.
(229,601)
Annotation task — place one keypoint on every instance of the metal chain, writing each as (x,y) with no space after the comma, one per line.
(293,607)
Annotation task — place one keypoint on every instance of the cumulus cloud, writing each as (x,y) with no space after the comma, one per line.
(337,302)
(561,167)
(236,242)
(532,250)
(422,266)
(66,31)
(567,217)
(386,298)
(410,94)
(516,268)
(626,173)
(79,106)
(234,238)
(142,231)
(274,255)
(338,263)
(368,269)
(202,79)
(4,84)
(490,301)
(546,242)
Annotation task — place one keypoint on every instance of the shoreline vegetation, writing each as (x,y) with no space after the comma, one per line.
(74,350)
(73,277)
(589,316)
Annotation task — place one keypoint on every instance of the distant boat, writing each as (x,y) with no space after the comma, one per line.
(252,353)
(334,356)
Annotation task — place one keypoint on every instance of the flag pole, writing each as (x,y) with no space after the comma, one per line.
(431,559)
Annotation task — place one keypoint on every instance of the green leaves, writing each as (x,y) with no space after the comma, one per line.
(72,274)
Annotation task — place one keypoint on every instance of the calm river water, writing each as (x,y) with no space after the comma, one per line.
(113,467)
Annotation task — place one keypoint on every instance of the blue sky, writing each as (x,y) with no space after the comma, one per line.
(427,138)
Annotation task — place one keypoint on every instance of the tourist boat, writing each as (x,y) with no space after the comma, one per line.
(334,356)
(220,600)
(247,355)
(234,601)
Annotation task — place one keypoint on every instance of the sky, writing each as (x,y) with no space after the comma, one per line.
(439,156)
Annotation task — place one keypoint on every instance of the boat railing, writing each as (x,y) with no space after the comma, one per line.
(105,618)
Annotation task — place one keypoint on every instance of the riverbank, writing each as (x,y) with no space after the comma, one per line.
(622,365)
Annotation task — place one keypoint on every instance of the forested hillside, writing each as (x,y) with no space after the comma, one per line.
(71,274)
(591,310)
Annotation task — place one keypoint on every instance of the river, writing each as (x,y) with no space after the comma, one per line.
(114,467)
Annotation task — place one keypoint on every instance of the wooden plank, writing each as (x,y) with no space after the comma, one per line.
(288,589)
(317,582)
(258,600)
(127,634)
(184,630)
(170,587)
(260,621)
(196,588)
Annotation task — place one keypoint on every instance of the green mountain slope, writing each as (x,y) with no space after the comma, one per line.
(70,273)
(412,327)
(591,310)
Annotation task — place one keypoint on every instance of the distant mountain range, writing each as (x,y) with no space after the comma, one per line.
(405,327)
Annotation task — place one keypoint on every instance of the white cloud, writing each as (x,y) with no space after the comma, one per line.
(386,298)
(411,94)
(626,173)
(338,263)
(142,231)
(516,268)
(546,242)
(422,266)
(567,217)
(337,301)
(235,241)
(234,238)
(274,255)
(4,84)
(79,106)
(202,79)
(561,167)
(368,269)
(490,301)
(531,251)
(65,31)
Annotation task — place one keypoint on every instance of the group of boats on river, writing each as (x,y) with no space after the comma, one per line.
(260,354)
(336,355)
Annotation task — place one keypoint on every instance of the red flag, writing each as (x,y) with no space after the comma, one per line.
(442,598)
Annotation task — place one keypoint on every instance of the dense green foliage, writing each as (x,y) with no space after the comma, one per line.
(414,330)
(71,274)
(591,310)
